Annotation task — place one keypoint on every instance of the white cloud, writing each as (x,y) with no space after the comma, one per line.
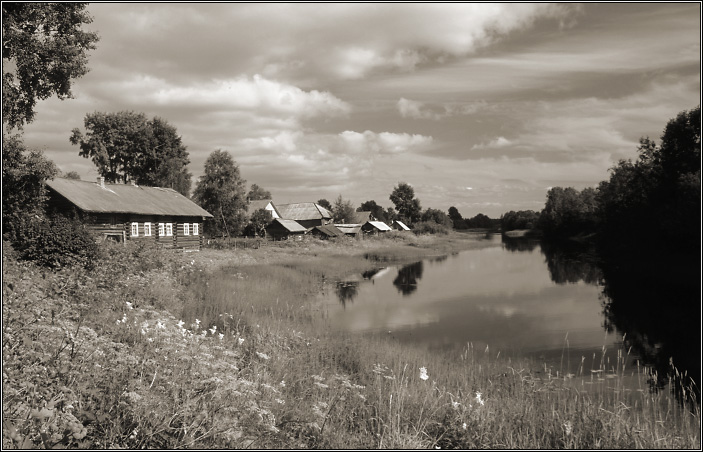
(497,143)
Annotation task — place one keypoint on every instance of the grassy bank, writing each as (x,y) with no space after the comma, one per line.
(224,349)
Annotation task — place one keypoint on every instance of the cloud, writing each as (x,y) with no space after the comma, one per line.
(497,143)
(420,110)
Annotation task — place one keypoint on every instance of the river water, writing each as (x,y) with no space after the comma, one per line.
(520,298)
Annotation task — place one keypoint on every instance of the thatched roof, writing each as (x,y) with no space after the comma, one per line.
(303,211)
(122,198)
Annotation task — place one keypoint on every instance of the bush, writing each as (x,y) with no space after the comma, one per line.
(430,227)
(55,242)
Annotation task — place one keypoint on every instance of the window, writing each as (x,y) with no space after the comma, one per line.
(195,228)
(162,231)
(147,229)
(169,229)
(186,229)
(135,229)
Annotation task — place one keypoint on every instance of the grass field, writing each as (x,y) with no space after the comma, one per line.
(224,349)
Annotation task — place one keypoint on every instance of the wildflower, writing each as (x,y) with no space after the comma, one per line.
(463,425)
(160,325)
(213,329)
(283,383)
(124,318)
(478,398)
(129,305)
(282,402)
(241,340)
(118,321)
(321,385)
(262,355)
(134,433)
(143,332)
(222,336)
(455,405)
(568,427)
(423,373)
(180,323)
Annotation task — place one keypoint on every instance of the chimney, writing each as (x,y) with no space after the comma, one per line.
(101,182)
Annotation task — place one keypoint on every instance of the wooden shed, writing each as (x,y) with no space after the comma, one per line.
(375,227)
(129,212)
(351,230)
(307,214)
(399,226)
(326,232)
(280,229)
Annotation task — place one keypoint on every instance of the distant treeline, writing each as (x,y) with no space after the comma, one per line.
(656,198)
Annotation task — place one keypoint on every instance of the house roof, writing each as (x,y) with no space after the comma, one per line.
(380,225)
(402,225)
(362,217)
(253,206)
(349,228)
(303,211)
(121,198)
(289,225)
(329,230)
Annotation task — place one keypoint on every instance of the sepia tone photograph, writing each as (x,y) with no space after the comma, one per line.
(336,226)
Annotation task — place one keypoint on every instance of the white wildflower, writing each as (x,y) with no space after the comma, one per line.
(129,305)
(240,340)
(568,427)
(213,329)
(283,383)
(222,336)
(423,373)
(478,398)
(463,425)
(180,323)
(160,325)
(262,355)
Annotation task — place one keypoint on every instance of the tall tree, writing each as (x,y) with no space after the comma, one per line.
(43,50)
(221,191)
(408,207)
(127,146)
(377,211)
(436,216)
(325,203)
(23,174)
(256,193)
(343,211)
(457,219)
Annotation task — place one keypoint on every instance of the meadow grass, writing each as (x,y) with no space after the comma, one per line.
(154,350)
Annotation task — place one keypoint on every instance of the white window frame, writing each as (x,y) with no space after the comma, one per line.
(195,229)
(169,229)
(135,229)
(162,230)
(186,229)
(147,229)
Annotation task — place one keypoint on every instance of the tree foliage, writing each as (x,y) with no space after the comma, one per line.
(257,193)
(23,174)
(408,207)
(343,211)
(43,50)
(436,216)
(481,221)
(325,203)
(221,191)
(457,220)
(569,212)
(127,146)
(377,211)
(522,219)
(258,222)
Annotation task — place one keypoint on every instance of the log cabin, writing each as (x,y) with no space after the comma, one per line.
(307,214)
(124,212)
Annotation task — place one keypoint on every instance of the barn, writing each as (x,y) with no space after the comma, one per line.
(280,229)
(129,212)
(307,214)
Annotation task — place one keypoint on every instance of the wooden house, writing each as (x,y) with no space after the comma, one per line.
(281,229)
(326,232)
(375,227)
(399,226)
(129,212)
(307,214)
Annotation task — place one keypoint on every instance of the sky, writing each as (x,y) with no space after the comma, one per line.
(483,107)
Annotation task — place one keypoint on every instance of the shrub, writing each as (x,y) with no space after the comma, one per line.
(430,227)
(55,242)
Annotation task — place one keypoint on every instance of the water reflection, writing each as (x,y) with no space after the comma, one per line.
(571,262)
(406,281)
(518,244)
(346,291)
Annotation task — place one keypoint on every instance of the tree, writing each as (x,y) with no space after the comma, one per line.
(71,175)
(436,216)
(257,193)
(258,222)
(568,212)
(457,219)
(126,146)
(325,203)
(343,211)
(220,191)
(408,207)
(43,50)
(377,211)
(522,219)
(23,174)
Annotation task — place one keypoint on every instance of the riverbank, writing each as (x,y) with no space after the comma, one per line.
(223,349)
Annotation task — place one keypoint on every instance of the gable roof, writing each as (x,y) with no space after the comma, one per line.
(253,206)
(289,225)
(121,198)
(329,230)
(380,225)
(303,211)
(349,228)
(401,225)
(362,217)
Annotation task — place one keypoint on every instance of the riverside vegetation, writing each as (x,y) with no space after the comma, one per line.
(151,348)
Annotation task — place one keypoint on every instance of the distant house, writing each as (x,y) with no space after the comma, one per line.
(351,230)
(129,212)
(266,204)
(280,229)
(399,226)
(375,227)
(326,232)
(363,217)
(307,214)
